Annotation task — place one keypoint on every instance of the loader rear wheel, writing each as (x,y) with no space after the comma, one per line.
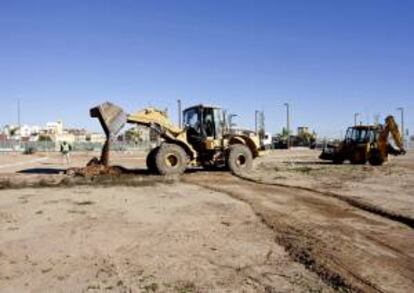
(171,159)
(239,158)
(152,167)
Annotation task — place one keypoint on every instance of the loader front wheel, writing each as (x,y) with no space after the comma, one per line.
(171,159)
(239,158)
(152,167)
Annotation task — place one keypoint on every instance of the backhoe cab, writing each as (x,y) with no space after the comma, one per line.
(354,146)
(203,141)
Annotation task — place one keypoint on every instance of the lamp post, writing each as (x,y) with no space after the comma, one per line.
(179,112)
(401,109)
(261,124)
(287,123)
(256,112)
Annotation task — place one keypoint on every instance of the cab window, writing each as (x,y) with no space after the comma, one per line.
(218,120)
(192,119)
(208,122)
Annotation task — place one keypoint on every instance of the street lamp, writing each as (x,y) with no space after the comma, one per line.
(256,120)
(287,123)
(179,112)
(401,109)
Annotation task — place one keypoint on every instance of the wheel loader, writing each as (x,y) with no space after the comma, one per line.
(366,143)
(205,139)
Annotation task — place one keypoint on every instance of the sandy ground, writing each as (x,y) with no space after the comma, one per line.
(347,246)
(164,237)
(389,187)
(294,224)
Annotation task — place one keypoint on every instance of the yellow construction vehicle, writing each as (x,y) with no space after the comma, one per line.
(205,139)
(366,143)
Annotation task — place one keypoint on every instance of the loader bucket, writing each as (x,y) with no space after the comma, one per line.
(111,117)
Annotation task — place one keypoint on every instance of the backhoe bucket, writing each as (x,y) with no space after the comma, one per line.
(111,117)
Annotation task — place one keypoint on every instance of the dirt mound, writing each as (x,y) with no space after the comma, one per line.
(96,168)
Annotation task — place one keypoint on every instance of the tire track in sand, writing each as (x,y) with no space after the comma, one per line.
(349,248)
(352,201)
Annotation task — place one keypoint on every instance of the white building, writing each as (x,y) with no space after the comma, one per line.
(96,137)
(10,130)
(29,130)
(55,127)
(68,137)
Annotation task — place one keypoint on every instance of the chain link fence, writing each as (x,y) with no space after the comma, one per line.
(50,146)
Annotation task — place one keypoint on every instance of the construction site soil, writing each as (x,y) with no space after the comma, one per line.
(293,224)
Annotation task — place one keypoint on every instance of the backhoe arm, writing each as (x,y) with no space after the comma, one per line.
(391,127)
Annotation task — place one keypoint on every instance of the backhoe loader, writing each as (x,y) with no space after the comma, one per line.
(205,139)
(364,143)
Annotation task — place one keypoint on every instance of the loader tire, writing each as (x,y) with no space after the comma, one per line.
(171,159)
(239,158)
(152,167)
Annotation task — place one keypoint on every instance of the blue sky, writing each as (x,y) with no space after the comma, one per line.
(328,59)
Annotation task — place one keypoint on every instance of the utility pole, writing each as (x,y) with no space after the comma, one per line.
(288,124)
(356,118)
(262,125)
(256,112)
(179,112)
(401,109)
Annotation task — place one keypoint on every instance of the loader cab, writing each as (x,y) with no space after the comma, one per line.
(203,124)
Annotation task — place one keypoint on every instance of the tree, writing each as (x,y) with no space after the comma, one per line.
(133,135)
(13,131)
